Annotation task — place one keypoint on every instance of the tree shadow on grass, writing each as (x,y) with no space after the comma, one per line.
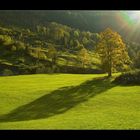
(58,101)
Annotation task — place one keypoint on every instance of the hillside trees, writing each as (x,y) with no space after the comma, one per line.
(5,40)
(83,56)
(41,46)
(52,54)
(137,60)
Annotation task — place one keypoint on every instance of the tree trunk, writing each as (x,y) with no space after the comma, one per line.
(110,69)
(109,73)
(83,65)
(110,66)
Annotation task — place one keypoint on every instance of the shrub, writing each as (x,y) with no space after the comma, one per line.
(5,40)
(7,72)
(41,69)
(57,70)
(13,48)
(20,45)
(49,70)
(78,70)
(132,77)
(21,60)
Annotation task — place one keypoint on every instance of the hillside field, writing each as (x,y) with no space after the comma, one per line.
(67,101)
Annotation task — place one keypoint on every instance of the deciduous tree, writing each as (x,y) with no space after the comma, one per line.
(112,50)
(83,56)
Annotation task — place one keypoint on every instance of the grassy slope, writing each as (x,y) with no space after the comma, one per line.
(67,101)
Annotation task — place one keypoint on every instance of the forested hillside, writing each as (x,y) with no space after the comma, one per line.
(50,48)
(31,43)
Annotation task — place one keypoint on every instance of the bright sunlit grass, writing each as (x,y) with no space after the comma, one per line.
(67,101)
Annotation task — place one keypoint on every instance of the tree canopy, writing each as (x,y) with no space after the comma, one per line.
(112,51)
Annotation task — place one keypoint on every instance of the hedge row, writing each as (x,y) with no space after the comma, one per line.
(132,77)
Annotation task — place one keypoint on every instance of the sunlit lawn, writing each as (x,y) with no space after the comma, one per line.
(67,101)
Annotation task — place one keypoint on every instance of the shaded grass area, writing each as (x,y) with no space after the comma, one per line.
(58,101)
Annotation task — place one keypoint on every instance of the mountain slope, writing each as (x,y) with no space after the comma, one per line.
(94,21)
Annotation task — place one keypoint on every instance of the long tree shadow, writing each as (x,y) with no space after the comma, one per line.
(58,101)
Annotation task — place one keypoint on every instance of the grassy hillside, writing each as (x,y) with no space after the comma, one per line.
(34,42)
(67,101)
(40,50)
(53,48)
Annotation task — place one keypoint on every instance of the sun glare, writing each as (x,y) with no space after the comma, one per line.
(134,15)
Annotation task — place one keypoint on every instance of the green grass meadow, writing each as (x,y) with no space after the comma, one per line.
(67,101)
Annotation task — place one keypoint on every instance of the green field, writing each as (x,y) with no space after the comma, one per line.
(67,101)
